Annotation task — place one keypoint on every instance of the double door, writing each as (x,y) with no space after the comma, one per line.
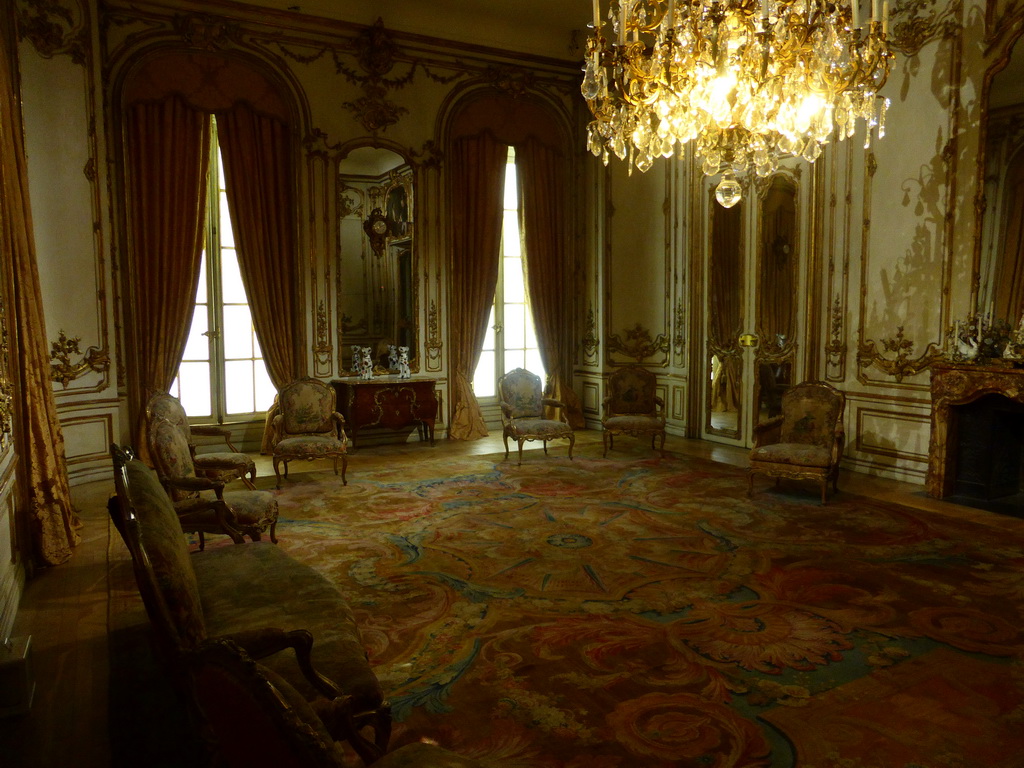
(754,289)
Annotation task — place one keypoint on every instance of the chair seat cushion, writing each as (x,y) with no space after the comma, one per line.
(634,422)
(225,461)
(540,428)
(797,454)
(258,585)
(310,446)
(253,508)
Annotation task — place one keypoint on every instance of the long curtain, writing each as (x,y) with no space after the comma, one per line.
(168,148)
(476,165)
(258,171)
(542,192)
(53,523)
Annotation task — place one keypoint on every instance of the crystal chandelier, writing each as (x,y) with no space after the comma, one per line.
(748,80)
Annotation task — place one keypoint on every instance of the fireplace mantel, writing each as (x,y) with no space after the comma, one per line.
(958,384)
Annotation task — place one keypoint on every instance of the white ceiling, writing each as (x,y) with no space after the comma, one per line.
(541,27)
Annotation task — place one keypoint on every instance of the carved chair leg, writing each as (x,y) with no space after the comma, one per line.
(202,541)
(273,531)
(277,472)
(248,481)
(520,451)
(662,446)
(824,490)
(545,444)
(572,442)
(504,436)
(344,469)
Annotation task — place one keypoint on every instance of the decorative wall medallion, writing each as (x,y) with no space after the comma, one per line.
(638,344)
(207,32)
(901,365)
(54,29)
(375,50)
(373,110)
(63,370)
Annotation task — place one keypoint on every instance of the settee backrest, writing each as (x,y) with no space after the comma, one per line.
(146,520)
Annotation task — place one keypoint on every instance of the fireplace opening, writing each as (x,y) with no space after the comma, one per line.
(990,452)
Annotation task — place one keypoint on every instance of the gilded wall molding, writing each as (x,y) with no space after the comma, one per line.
(207,32)
(900,366)
(6,385)
(679,337)
(915,23)
(638,344)
(835,350)
(62,368)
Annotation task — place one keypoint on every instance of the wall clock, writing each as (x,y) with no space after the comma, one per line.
(377,229)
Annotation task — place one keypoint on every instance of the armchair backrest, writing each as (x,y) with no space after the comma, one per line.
(171,454)
(167,407)
(307,407)
(521,391)
(811,413)
(146,519)
(631,390)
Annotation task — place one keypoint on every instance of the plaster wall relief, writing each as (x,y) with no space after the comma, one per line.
(320,185)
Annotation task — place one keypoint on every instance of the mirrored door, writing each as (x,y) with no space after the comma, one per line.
(752,299)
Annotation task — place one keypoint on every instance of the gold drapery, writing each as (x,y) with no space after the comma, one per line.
(542,194)
(476,164)
(168,154)
(44,490)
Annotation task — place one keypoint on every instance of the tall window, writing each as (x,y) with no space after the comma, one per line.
(511,341)
(222,375)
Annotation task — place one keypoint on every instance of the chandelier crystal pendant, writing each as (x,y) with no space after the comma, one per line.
(748,81)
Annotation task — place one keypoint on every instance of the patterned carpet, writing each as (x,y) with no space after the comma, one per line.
(605,613)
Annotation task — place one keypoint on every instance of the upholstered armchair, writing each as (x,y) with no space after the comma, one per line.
(522,412)
(202,504)
(308,426)
(631,407)
(806,441)
(219,465)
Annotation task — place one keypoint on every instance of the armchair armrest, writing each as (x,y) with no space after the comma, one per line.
(339,426)
(767,432)
(209,430)
(506,408)
(549,401)
(266,641)
(197,484)
(275,427)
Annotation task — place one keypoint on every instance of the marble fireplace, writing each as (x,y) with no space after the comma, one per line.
(977,437)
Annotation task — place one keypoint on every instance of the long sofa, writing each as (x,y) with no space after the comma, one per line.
(281,612)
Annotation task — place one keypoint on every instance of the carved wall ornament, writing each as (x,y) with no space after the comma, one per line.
(512,80)
(434,343)
(430,156)
(209,33)
(900,366)
(54,29)
(63,370)
(374,111)
(590,340)
(679,338)
(6,385)
(638,344)
(323,349)
(835,350)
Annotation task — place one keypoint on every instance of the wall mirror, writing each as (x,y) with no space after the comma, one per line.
(725,321)
(1001,265)
(376,275)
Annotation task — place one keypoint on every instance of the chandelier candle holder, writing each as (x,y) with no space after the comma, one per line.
(748,81)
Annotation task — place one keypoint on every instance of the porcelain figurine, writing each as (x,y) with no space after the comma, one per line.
(403,363)
(392,357)
(366,363)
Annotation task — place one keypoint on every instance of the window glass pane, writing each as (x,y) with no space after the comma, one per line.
(194,389)
(489,335)
(534,364)
(239,386)
(231,287)
(483,379)
(227,234)
(530,330)
(198,346)
(265,389)
(511,194)
(201,297)
(237,333)
(514,288)
(510,234)
(515,326)
(514,358)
